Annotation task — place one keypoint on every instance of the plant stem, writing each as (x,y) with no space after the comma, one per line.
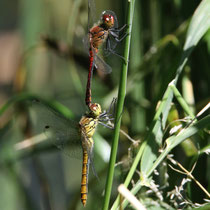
(120,103)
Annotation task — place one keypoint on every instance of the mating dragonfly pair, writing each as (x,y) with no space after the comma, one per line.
(107,33)
(104,34)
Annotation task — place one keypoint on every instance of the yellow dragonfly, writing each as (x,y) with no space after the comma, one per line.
(73,137)
(88,124)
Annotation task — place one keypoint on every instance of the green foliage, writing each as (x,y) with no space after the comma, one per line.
(164,85)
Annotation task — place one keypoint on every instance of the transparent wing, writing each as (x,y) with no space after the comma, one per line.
(66,140)
(89,150)
(62,132)
(92,164)
(91,13)
(112,45)
(101,65)
(86,43)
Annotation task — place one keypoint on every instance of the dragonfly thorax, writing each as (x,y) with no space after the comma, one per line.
(88,126)
(97,36)
(89,121)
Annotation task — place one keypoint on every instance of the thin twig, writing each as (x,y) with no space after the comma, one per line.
(189,174)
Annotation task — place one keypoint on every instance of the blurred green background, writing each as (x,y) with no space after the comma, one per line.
(41,177)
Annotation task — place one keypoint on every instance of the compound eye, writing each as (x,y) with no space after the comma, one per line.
(108,18)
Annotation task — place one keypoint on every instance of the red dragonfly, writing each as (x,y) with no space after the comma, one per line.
(106,32)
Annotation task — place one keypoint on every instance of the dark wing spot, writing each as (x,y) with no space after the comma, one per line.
(35,100)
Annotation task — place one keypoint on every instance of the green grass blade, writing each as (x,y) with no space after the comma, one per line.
(24,97)
(119,110)
(181,100)
(199,25)
(195,33)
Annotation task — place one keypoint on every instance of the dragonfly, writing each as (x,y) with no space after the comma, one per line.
(76,138)
(106,32)
(87,125)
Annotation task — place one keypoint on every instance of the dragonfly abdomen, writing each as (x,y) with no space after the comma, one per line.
(88,124)
(84,181)
(90,73)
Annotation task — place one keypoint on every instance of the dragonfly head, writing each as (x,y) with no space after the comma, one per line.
(107,20)
(95,109)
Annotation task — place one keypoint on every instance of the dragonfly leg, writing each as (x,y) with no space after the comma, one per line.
(123,37)
(107,126)
(109,49)
(106,119)
(113,103)
(116,36)
(109,112)
(115,33)
(119,29)
(107,116)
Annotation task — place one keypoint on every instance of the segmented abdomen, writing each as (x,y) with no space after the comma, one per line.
(84,181)
(90,73)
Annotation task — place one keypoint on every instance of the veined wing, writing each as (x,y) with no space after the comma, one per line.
(91,13)
(101,65)
(67,140)
(62,132)
(89,149)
